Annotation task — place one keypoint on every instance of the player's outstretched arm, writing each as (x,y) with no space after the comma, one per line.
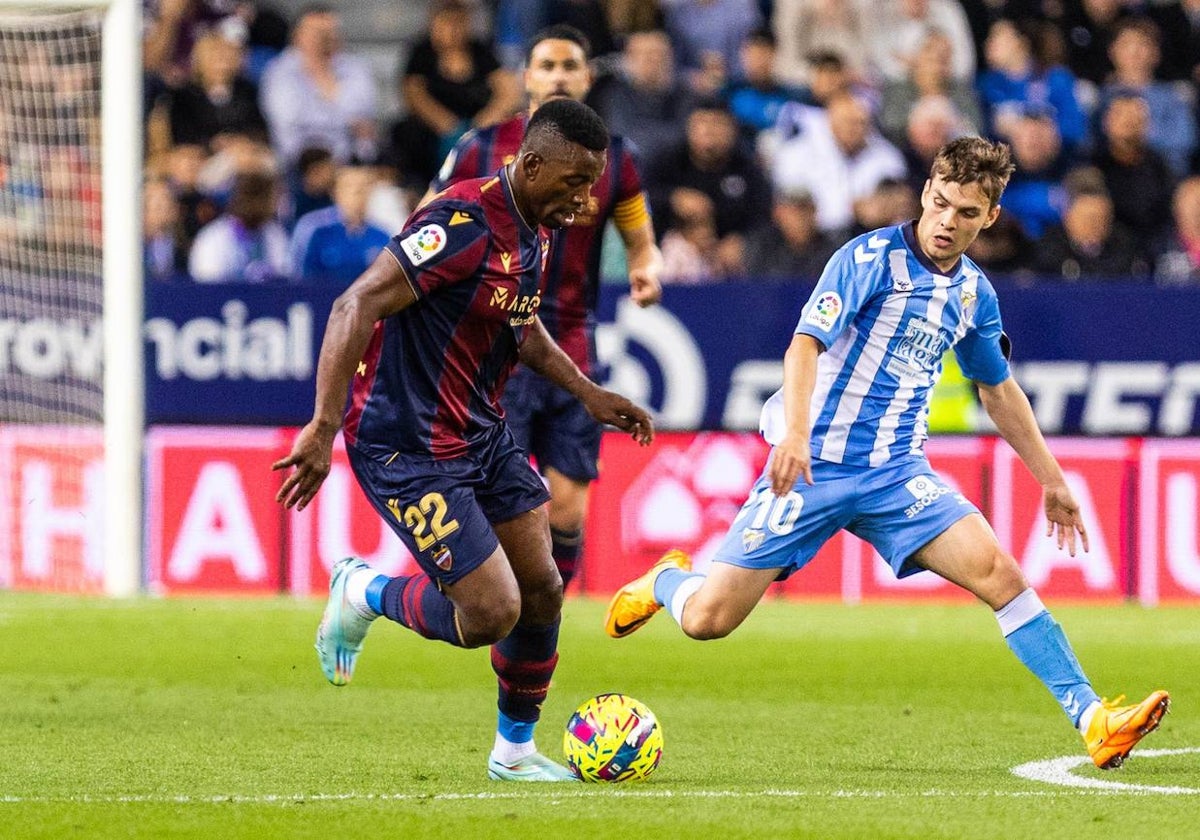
(543,356)
(380,291)
(1009,409)
(645,264)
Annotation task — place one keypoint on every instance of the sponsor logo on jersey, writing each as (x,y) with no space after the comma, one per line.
(425,243)
(522,308)
(926,490)
(825,310)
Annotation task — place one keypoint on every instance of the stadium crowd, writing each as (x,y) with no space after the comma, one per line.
(768,130)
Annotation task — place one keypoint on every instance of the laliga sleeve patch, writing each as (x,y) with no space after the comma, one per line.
(423,244)
(825,311)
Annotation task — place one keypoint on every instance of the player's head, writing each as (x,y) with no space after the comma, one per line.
(562,155)
(962,196)
(556,66)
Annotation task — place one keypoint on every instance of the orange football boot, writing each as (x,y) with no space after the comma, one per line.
(634,603)
(1114,730)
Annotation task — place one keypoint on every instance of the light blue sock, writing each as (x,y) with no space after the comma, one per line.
(514,731)
(667,582)
(375,592)
(1039,642)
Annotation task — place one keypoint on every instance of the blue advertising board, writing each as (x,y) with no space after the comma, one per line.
(1109,358)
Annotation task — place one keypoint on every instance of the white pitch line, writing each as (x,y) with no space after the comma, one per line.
(1057,771)
(582,792)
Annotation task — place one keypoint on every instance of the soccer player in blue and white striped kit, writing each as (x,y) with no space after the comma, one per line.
(848,429)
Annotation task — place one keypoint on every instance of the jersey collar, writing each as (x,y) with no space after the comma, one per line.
(909,230)
(512,199)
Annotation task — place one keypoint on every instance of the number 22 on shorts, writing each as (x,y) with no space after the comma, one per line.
(426,520)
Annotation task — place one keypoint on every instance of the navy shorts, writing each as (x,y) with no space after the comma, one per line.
(444,510)
(552,426)
(897,507)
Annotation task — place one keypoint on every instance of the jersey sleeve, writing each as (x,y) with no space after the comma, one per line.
(840,293)
(441,245)
(632,209)
(461,163)
(980,351)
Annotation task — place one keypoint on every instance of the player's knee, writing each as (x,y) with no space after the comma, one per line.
(702,622)
(1003,580)
(541,602)
(488,623)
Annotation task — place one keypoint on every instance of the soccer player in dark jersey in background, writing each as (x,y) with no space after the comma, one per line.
(426,337)
(549,423)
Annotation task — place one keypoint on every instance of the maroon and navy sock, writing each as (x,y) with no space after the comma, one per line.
(416,602)
(524,663)
(565,547)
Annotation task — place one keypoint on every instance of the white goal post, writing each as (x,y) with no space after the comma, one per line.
(121,128)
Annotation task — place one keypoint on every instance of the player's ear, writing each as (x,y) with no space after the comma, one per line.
(993,214)
(531,165)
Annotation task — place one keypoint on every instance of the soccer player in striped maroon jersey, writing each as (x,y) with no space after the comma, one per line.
(549,423)
(424,340)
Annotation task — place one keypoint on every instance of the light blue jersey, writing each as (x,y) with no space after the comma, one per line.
(886,315)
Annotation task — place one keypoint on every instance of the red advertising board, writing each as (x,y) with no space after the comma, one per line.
(52,508)
(1168,509)
(212,521)
(1100,474)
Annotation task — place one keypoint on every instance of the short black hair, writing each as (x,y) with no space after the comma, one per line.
(572,121)
(560,32)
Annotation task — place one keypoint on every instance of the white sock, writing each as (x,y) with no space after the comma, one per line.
(356,591)
(508,753)
(684,591)
(1086,717)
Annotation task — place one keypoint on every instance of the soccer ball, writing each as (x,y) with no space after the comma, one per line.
(612,738)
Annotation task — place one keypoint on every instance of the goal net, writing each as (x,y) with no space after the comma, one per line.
(69,442)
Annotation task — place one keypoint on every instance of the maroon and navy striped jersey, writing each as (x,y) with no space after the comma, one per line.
(574,272)
(431,378)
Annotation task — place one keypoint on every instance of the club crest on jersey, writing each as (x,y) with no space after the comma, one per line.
(545,253)
(442,558)
(423,244)
(752,539)
(825,310)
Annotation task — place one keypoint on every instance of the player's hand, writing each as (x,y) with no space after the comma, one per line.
(644,287)
(311,454)
(1063,518)
(611,408)
(790,459)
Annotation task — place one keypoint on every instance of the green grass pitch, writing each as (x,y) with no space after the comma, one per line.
(210,719)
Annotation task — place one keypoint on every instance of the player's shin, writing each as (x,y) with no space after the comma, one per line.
(1039,642)
(524,662)
(416,602)
(566,547)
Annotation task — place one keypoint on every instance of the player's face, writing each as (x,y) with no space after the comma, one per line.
(558,69)
(952,215)
(560,184)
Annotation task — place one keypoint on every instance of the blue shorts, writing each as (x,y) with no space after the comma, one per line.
(444,510)
(552,426)
(897,508)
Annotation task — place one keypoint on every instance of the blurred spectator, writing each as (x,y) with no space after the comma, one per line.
(389,204)
(245,244)
(1089,244)
(898,28)
(1178,254)
(892,202)
(1179,27)
(839,158)
(805,27)
(314,94)
(170,29)
(1002,248)
(791,246)
(691,252)
(164,249)
(518,21)
(452,81)
(709,168)
(932,123)
(707,35)
(312,183)
(196,208)
(1135,55)
(334,245)
(217,101)
(1138,179)
(628,16)
(1088,26)
(754,97)
(266,38)
(645,102)
(929,76)
(1022,76)
(1034,195)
